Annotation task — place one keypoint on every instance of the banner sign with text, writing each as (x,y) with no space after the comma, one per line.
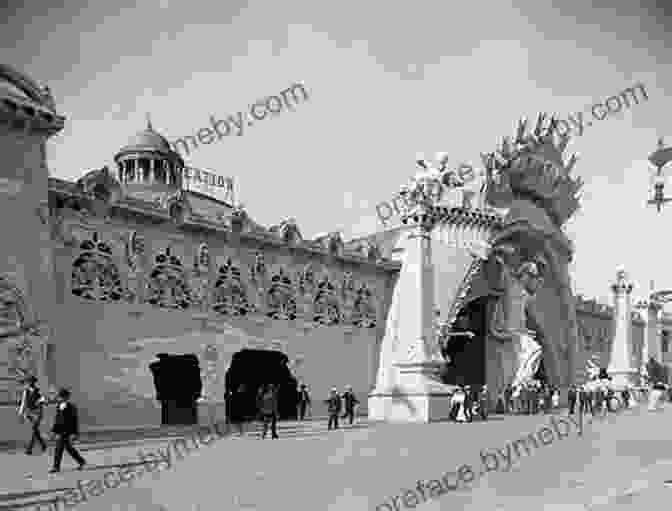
(208,183)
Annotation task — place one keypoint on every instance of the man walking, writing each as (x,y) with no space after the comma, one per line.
(66,429)
(571,399)
(31,409)
(508,399)
(268,407)
(304,401)
(350,402)
(333,408)
(483,403)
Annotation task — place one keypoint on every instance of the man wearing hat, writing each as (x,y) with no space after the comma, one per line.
(333,408)
(304,401)
(350,402)
(31,409)
(66,429)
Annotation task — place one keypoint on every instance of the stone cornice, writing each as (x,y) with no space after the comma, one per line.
(68,190)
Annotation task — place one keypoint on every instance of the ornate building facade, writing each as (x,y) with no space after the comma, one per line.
(108,272)
(125,264)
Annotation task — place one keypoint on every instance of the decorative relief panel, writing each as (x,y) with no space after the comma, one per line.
(199,282)
(20,342)
(95,276)
(281,297)
(230,293)
(167,284)
(364,313)
(134,254)
(327,309)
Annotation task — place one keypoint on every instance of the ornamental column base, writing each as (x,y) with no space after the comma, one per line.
(418,397)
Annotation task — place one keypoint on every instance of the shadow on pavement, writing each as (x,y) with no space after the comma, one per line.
(27,496)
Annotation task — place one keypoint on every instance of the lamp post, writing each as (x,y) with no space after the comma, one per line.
(660,158)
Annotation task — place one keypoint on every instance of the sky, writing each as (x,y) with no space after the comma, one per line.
(386,81)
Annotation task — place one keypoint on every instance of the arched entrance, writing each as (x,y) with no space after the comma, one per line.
(253,368)
(467,355)
(177,379)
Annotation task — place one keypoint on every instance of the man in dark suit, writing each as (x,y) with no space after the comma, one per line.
(304,401)
(31,409)
(349,402)
(66,429)
(571,398)
(267,404)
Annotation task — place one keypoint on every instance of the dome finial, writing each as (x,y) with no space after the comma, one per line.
(149,123)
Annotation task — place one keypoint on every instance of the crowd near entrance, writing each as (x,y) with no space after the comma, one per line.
(252,369)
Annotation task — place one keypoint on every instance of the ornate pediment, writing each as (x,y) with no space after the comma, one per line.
(332,243)
(532,166)
(100,184)
(287,230)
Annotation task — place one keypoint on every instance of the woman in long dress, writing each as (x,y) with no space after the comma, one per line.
(458,413)
(555,398)
(655,396)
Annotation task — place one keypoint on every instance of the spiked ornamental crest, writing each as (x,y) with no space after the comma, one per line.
(532,165)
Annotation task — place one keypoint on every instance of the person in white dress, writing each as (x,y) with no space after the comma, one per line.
(458,412)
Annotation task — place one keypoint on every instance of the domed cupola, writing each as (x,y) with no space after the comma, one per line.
(148,161)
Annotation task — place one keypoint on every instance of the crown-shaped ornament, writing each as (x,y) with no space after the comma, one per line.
(533,165)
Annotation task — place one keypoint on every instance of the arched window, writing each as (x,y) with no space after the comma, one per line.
(167,283)
(144,169)
(12,309)
(159,171)
(281,300)
(327,309)
(95,276)
(130,171)
(230,296)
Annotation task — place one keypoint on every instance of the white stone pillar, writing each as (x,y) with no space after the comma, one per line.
(652,347)
(620,364)
(152,170)
(408,387)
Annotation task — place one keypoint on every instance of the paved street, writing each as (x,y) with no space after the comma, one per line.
(616,464)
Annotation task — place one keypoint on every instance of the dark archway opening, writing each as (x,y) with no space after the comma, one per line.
(541,374)
(177,380)
(254,368)
(467,355)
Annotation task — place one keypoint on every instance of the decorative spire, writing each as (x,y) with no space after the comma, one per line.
(149,123)
(534,164)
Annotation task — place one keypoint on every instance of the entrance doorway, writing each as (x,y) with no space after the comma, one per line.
(253,368)
(467,355)
(177,380)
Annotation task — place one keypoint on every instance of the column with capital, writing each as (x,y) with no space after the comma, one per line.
(621,367)
(651,347)
(408,386)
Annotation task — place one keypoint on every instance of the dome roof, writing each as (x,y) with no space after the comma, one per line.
(147,140)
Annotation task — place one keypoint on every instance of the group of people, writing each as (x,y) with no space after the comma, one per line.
(597,398)
(267,407)
(468,402)
(346,402)
(66,422)
(529,398)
